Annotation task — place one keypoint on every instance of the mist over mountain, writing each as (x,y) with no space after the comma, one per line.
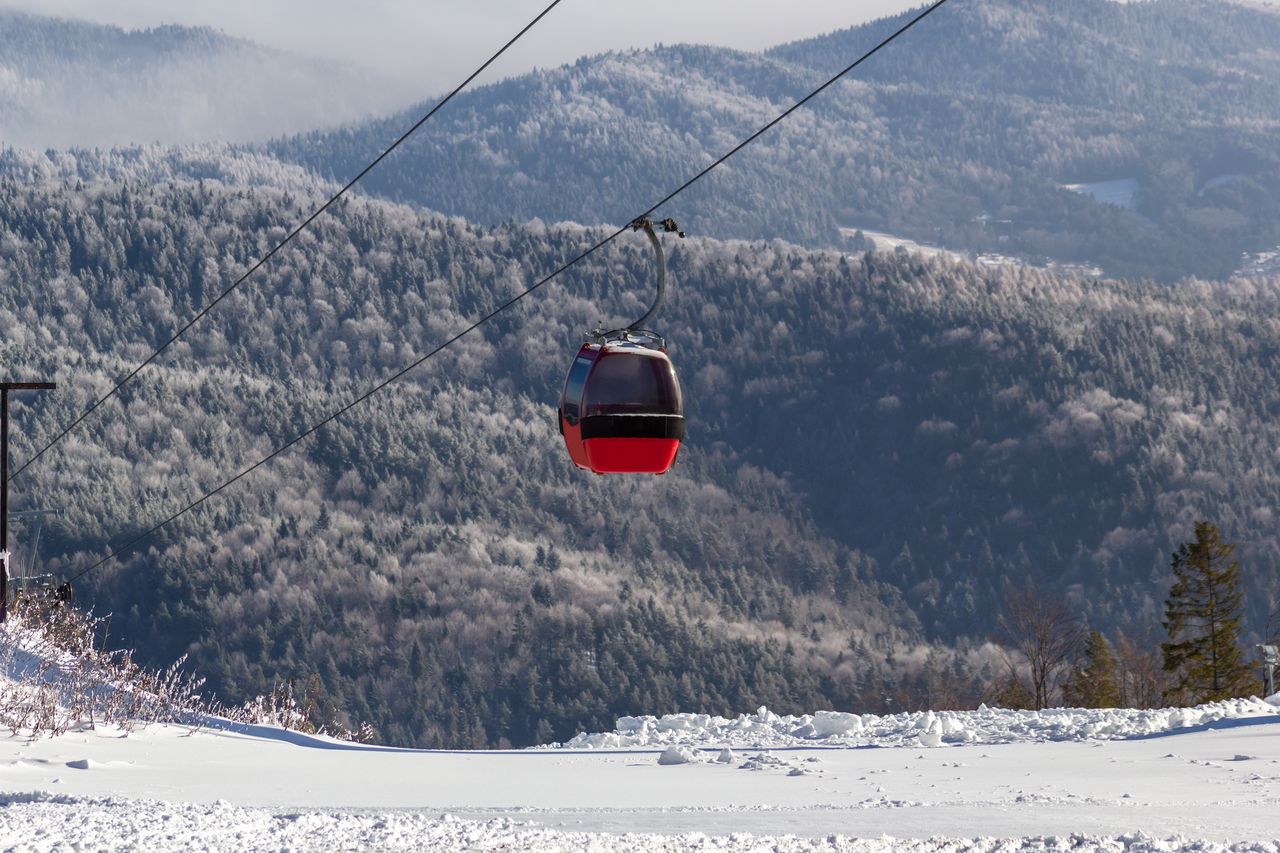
(72,83)
(964,134)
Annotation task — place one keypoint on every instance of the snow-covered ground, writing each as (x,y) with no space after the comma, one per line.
(1122,192)
(1123,780)
(1260,265)
(889,243)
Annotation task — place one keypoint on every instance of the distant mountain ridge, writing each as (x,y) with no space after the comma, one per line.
(1001,47)
(967,133)
(979,114)
(70,83)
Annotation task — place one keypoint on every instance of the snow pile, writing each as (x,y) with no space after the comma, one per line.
(42,822)
(677,755)
(765,729)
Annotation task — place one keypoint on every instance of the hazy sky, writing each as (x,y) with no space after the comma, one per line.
(439,41)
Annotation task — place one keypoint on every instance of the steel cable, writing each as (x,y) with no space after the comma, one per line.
(517,298)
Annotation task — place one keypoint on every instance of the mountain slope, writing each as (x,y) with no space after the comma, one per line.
(71,83)
(878,447)
(432,555)
(963,132)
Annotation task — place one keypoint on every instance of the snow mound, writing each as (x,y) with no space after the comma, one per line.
(920,729)
(678,755)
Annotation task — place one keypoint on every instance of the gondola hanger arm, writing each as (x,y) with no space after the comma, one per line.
(668,226)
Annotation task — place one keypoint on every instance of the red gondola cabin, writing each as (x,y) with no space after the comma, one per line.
(621,411)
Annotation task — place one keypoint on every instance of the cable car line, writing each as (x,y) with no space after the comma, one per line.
(288,239)
(513,300)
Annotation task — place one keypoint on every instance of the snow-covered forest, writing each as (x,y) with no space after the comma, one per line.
(971,541)
(879,446)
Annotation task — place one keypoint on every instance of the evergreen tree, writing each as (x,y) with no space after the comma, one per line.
(1202,617)
(1093,682)
(1011,692)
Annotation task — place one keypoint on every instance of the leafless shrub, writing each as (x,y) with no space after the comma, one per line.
(60,677)
(55,676)
(1142,678)
(300,711)
(285,707)
(1037,623)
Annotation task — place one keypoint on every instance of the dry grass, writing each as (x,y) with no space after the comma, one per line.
(57,676)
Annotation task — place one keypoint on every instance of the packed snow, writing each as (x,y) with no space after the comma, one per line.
(889,243)
(883,242)
(1260,265)
(50,822)
(1197,779)
(1213,785)
(46,823)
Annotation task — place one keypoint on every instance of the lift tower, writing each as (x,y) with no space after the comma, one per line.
(5,388)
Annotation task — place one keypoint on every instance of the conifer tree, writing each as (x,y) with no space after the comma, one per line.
(1202,618)
(1011,693)
(1093,682)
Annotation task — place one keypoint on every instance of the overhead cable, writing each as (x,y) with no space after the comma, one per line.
(288,239)
(515,299)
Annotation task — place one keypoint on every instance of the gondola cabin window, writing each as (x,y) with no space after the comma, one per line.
(573,387)
(633,382)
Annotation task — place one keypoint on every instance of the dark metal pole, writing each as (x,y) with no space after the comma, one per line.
(4,503)
(5,388)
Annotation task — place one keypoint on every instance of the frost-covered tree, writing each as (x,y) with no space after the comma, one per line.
(1141,676)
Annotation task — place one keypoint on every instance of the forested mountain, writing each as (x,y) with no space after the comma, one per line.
(964,133)
(72,83)
(878,447)
(432,557)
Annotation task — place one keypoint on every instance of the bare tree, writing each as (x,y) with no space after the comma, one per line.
(1271,634)
(1038,624)
(1142,676)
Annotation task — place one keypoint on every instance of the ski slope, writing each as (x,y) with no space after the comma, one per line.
(1031,781)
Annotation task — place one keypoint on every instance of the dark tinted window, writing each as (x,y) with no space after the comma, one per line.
(573,385)
(624,383)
